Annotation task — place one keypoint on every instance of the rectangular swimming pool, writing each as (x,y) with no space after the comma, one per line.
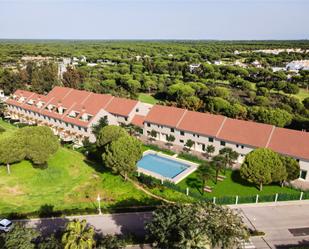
(165,167)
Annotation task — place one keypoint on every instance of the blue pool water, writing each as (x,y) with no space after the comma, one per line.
(161,165)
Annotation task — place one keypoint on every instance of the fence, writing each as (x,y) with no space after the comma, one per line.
(152,182)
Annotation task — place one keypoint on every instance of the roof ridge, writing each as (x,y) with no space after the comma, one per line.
(181,118)
(221,126)
(89,94)
(108,103)
(26,99)
(270,136)
(67,94)
(46,104)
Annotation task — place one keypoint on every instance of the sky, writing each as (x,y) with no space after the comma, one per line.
(154,19)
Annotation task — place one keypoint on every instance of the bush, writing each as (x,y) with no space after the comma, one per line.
(190,157)
(157,148)
(149,181)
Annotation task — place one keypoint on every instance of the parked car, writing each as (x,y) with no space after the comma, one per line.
(5,225)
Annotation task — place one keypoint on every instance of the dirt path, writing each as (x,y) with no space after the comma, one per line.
(138,186)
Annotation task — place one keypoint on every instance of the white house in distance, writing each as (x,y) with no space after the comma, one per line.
(71,114)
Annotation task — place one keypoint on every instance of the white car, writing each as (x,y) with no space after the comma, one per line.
(5,225)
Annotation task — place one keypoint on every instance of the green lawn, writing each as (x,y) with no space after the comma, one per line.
(226,191)
(232,185)
(147,98)
(156,148)
(69,182)
(7,126)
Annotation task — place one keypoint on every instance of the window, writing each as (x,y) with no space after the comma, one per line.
(126,119)
(148,124)
(237,145)
(297,160)
(211,139)
(181,141)
(242,146)
(182,133)
(172,130)
(303,174)
(222,143)
(137,110)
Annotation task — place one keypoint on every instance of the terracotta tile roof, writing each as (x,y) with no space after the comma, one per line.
(165,115)
(245,132)
(121,106)
(138,120)
(201,123)
(290,142)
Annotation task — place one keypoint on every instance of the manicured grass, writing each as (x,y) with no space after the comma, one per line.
(147,98)
(68,182)
(232,185)
(7,126)
(156,148)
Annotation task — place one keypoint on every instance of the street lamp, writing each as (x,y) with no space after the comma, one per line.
(99,201)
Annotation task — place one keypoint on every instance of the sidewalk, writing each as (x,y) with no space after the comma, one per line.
(270,204)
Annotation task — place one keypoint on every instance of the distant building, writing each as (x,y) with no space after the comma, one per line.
(298,65)
(257,64)
(193,67)
(218,62)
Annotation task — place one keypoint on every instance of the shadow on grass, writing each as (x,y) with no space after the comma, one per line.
(235,176)
(97,166)
(194,183)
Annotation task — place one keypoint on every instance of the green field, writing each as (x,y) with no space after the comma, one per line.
(232,185)
(147,98)
(69,182)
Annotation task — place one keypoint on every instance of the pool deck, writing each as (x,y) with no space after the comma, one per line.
(192,167)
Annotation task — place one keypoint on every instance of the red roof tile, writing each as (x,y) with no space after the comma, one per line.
(245,132)
(138,120)
(165,115)
(290,142)
(121,106)
(201,123)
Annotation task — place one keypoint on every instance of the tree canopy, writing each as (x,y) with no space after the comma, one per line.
(196,226)
(122,155)
(263,166)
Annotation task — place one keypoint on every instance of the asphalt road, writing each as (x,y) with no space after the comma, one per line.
(122,223)
(284,224)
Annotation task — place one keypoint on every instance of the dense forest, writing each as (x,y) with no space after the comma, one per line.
(235,78)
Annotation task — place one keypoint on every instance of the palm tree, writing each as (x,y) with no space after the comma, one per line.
(204,172)
(189,144)
(230,156)
(78,235)
(170,139)
(209,150)
(153,135)
(218,163)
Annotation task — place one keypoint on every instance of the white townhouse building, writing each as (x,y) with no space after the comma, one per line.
(71,114)
(242,136)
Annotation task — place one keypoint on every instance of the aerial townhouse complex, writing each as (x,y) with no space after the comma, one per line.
(72,113)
